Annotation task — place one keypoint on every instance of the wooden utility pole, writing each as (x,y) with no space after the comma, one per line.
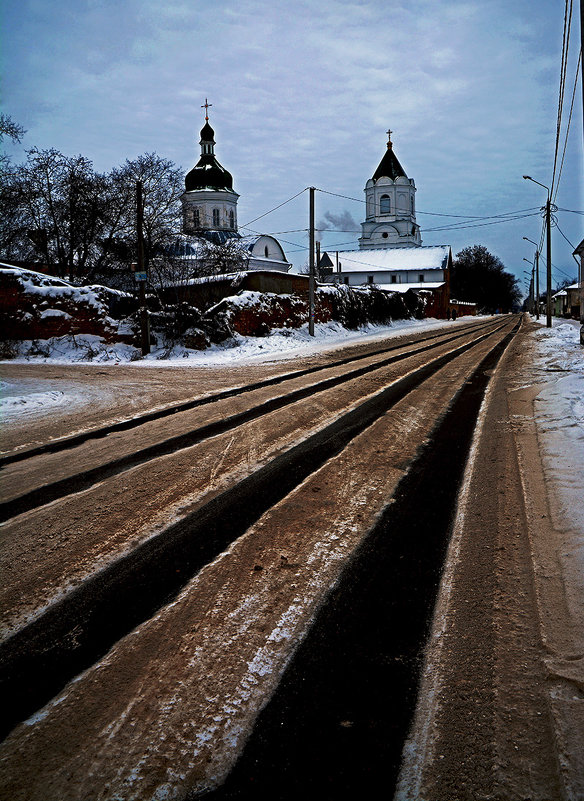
(537,284)
(311,266)
(548,222)
(141,273)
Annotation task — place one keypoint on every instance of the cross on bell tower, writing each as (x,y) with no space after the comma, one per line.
(206,106)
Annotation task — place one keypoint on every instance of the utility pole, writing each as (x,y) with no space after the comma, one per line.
(311,267)
(141,274)
(548,221)
(531,286)
(536,268)
(537,284)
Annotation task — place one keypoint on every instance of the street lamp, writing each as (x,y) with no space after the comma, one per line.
(548,216)
(536,275)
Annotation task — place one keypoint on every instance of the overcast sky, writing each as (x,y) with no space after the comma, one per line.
(303,93)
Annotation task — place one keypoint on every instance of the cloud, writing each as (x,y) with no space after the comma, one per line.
(302,95)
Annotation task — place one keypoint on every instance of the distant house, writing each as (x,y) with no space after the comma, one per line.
(566,302)
(577,304)
(421,269)
(560,303)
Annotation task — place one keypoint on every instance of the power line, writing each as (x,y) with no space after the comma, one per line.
(436,213)
(565,237)
(555,267)
(259,233)
(563,70)
(275,208)
(462,226)
(568,125)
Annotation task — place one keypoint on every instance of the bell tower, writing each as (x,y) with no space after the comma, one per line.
(209,201)
(390,220)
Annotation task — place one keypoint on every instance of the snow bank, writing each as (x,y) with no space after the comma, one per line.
(559,413)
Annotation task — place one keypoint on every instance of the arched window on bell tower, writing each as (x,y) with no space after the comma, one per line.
(215,218)
(384,204)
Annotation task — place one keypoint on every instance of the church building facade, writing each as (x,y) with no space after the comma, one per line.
(209,210)
(391,255)
(390,206)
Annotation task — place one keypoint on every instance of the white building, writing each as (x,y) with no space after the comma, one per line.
(397,269)
(391,255)
(209,205)
(390,207)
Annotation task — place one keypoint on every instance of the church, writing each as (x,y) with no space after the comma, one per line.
(209,210)
(391,255)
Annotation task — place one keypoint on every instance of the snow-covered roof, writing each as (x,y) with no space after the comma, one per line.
(433,257)
(402,288)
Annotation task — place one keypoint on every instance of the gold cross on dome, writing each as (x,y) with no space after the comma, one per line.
(206,106)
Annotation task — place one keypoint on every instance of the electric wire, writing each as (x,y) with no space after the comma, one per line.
(275,208)
(565,237)
(563,69)
(568,125)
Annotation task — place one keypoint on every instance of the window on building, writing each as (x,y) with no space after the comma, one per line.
(231,219)
(421,278)
(385,234)
(266,252)
(346,279)
(394,279)
(369,279)
(384,204)
(215,218)
(196,218)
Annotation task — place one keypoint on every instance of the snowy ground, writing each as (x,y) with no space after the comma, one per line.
(21,399)
(559,414)
(559,407)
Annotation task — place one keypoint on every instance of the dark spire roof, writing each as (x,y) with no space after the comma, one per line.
(389,166)
(207,133)
(208,173)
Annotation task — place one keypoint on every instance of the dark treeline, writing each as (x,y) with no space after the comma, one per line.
(480,277)
(58,211)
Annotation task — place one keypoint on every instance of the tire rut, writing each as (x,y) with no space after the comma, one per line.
(159,414)
(69,485)
(80,628)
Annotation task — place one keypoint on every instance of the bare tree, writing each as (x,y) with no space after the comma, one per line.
(11,129)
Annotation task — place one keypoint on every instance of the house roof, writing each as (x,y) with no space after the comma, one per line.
(403,288)
(432,257)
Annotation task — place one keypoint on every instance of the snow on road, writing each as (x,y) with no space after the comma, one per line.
(22,398)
